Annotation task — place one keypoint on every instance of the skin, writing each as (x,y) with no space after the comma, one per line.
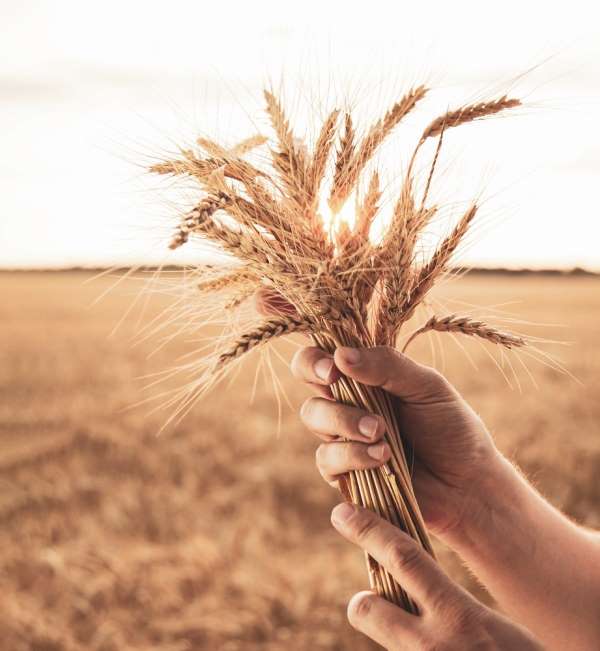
(542,569)
(449,617)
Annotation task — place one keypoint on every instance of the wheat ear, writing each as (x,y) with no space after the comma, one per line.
(196,218)
(290,160)
(226,281)
(246,245)
(428,274)
(262,334)
(467,326)
(203,168)
(351,165)
(368,208)
(344,155)
(247,145)
(321,155)
(468,113)
(381,129)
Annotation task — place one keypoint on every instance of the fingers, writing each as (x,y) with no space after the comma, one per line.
(378,366)
(335,459)
(315,366)
(383,622)
(406,561)
(331,420)
(387,368)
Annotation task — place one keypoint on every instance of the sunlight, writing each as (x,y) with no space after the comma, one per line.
(333,221)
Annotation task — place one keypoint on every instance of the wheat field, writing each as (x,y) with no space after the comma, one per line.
(215,534)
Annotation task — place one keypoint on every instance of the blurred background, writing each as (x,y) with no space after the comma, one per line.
(215,534)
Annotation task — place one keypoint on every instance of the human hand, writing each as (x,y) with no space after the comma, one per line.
(449,617)
(453,451)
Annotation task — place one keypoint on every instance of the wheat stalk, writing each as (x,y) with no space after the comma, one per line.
(340,288)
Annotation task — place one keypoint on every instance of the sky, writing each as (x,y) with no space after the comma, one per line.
(92,93)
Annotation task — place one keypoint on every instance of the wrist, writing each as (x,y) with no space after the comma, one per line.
(487,505)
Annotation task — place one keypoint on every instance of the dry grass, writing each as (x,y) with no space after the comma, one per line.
(346,290)
(217,535)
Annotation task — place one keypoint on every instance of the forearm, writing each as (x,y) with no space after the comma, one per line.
(541,568)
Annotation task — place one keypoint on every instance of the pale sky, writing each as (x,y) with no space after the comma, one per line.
(91,92)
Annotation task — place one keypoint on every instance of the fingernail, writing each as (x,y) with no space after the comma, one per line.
(350,355)
(323,368)
(377,451)
(341,513)
(367,426)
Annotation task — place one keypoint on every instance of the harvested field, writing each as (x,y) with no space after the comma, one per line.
(215,534)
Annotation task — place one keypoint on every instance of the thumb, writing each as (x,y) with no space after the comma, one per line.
(389,369)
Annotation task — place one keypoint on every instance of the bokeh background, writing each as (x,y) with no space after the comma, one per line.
(214,534)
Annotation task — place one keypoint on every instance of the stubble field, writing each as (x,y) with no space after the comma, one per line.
(215,534)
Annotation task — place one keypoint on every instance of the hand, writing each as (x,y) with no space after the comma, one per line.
(449,619)
(454,453)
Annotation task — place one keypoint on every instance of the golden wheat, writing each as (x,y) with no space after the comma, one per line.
(225,281)
(468,113)
(470,327)
(266,331)
(351,162)
(321,155)
(340,288)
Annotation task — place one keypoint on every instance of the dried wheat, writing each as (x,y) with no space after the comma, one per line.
(468,113)
(339,288)
(262,334)
(470,327)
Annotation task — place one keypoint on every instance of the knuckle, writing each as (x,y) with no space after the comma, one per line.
(438,600)
(436,377)
(466,620)
(364,524)
(403,556)
(389,361)
(388,352)
(387,356)
(428,644)
(457,630)
(436,381)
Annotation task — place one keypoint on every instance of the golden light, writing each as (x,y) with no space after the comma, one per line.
(333,220)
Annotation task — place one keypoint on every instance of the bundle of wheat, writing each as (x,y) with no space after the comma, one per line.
(334,284)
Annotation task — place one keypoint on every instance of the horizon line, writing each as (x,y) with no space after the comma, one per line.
(476,269)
